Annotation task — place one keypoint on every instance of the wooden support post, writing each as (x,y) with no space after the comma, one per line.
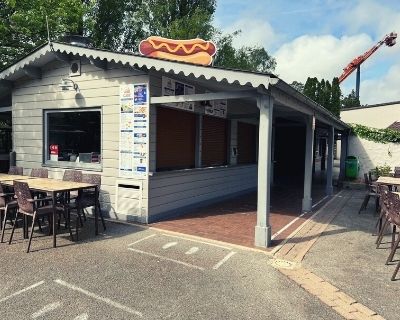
(263,229)
(308,164)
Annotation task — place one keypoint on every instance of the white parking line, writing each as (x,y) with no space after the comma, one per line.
(198,241)
(21,291)
(169,245)
(140,240)
(167,259)
(225,259)
(287,226)
(192,250)
(48,308)
(83,316)
(102,299)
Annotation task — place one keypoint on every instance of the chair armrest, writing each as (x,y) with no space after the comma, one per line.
(41,199)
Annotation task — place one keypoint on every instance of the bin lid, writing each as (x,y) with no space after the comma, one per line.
(351,158)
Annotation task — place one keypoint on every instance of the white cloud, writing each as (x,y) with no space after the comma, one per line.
(382,89)
(318,56)
(255,32)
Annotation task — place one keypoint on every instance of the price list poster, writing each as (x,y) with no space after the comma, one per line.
(134,133)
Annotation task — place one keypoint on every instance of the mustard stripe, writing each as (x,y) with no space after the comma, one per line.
(180,46)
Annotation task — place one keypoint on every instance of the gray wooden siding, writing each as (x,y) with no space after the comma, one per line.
(172,190)
(98,88)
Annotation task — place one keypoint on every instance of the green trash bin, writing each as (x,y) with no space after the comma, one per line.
(352,167)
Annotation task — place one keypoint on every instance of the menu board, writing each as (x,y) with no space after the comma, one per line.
(216,108)
(171,87)
(134,130)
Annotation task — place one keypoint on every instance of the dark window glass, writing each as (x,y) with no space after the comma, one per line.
(74,136)
(246,143)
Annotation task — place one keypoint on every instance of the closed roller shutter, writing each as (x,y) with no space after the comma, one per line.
(214,142)
(247,143)
(176,139)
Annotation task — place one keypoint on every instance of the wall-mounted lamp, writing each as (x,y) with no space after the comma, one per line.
(68,84)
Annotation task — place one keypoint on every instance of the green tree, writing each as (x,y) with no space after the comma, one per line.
(23,24)
(245,58)
(336,97)
(120,25)
(350,101)
(323,92)
(298,86)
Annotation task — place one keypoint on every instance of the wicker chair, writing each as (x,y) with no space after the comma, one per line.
(371,192)
(72,175)
(27,206)
(7,205)
(40,173)
(16,170)
(394,220)
(88,198)
(396,172)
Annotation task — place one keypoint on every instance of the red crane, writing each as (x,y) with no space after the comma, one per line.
(389,40)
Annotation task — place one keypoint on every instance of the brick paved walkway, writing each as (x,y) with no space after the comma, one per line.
(233,221)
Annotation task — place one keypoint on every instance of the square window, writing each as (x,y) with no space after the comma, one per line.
(73,138)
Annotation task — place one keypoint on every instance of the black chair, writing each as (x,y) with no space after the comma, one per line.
(28,207)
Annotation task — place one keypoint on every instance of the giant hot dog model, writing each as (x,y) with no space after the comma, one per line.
(195,51)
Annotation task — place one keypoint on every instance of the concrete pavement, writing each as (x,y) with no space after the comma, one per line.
(136,273)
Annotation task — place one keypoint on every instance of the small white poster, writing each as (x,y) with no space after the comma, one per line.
(216,108)
(134,130)
(171,87)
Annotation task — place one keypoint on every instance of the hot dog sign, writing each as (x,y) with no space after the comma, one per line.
(197,51)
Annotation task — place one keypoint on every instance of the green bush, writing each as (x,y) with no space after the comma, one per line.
(381,171)
(376,135)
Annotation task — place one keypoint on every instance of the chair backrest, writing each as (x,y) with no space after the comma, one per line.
(92,179)
(22,192)
(396,172)
(16,170)
(2,199)
(72,175)
(40,173)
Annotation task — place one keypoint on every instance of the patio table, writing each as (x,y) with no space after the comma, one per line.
(54,187)
(388,181)
(11,177)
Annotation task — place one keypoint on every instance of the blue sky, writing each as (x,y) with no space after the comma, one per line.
(320,37)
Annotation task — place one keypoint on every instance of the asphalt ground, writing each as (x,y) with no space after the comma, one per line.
(136,273)
(346,256)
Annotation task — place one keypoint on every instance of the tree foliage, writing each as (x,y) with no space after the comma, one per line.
(23,24)
(120,25)
(351,100)
(323,92)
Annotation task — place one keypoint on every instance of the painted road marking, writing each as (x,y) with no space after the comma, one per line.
(169,245)
(287,226)
(167,259)
(46,309)
(102,299)
(83,316)
(294,220)
(192,250)
(22,291)
(140,240)
(198,241)
(225,259)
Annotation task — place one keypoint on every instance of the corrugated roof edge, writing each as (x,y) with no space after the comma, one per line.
(263,79)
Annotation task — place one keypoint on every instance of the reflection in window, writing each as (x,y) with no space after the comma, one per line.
(74,136)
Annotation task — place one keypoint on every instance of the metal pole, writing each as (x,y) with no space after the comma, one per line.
(308,164)
(358,82)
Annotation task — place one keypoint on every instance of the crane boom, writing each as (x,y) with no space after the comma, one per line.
(389,40)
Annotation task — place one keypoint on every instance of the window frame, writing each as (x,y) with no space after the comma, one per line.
(66,164)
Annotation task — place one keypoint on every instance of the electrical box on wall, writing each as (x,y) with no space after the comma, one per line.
(75,68)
